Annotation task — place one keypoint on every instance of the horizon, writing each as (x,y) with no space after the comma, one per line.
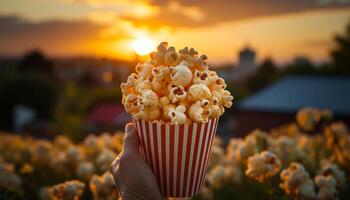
(109,29)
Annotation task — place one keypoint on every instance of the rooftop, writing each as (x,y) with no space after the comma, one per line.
(295,92)
(108,113)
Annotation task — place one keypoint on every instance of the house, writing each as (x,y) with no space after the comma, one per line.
(278,103)
(107,117)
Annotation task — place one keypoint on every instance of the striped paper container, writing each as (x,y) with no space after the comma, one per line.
(177,154)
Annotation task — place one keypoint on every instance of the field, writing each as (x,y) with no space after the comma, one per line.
(305,159)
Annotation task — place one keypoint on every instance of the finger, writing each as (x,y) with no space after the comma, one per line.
(115,162)
(131,141)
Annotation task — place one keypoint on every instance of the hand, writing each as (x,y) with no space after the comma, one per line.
(131,173)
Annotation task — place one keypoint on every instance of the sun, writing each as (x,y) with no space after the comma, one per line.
(142,46)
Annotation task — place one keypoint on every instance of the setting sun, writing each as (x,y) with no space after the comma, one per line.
(142,46)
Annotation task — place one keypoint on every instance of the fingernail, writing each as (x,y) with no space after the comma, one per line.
(129,127)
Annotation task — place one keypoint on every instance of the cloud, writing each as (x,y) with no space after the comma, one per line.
(98,35)
(209,12)
(316,43)
(57,37)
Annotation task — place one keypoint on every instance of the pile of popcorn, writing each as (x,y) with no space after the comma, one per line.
(175,87)
(288,162)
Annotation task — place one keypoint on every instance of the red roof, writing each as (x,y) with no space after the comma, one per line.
(108,113)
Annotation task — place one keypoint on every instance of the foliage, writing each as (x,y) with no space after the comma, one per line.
(341,54)
(265,75)
(28,89)
(75,103)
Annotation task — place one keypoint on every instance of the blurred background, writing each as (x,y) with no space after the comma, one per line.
(62,61)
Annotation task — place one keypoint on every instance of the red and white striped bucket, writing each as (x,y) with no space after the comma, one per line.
(177,154)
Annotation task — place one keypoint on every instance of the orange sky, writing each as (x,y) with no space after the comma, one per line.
(110,28)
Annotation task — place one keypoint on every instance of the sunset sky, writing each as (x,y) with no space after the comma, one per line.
(281,29)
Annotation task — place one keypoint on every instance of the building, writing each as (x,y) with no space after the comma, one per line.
(247,59)
(246,66)
(246,63)
(278,103)
(107,117)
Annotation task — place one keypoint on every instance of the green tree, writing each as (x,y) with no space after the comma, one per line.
(341,54)
(29,89)
(263,77)
(70,111)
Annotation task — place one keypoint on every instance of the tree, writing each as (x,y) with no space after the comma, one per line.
(36,62)
(263,77)
(27,89)
(341,54)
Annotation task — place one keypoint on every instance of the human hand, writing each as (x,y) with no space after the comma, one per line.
(131,173)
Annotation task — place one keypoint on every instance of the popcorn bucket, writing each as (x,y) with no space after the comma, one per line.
(177,154)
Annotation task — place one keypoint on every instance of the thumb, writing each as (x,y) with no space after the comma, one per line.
(131,141)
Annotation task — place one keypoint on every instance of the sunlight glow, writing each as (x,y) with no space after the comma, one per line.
(143,46)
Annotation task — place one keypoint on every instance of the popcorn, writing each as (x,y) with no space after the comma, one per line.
(177,94)
(158,57)
(160,78)
(308,118)
(215,109)
(178,116)
(148,106)
(226,98)
(297,182)
(217,176)
(216,84)
(175,87)
(262,166)
(143,85)
(181,75)
(8,178)
(200,63)
(144,70)
(167,107)
(199,91)
(103,187)
(326,185)
(147,100)
(199,111)
(129,87)
(332,169)
(69,190)
(170,57)
(201,77)
(105,159)
(85,170)
(130,103)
